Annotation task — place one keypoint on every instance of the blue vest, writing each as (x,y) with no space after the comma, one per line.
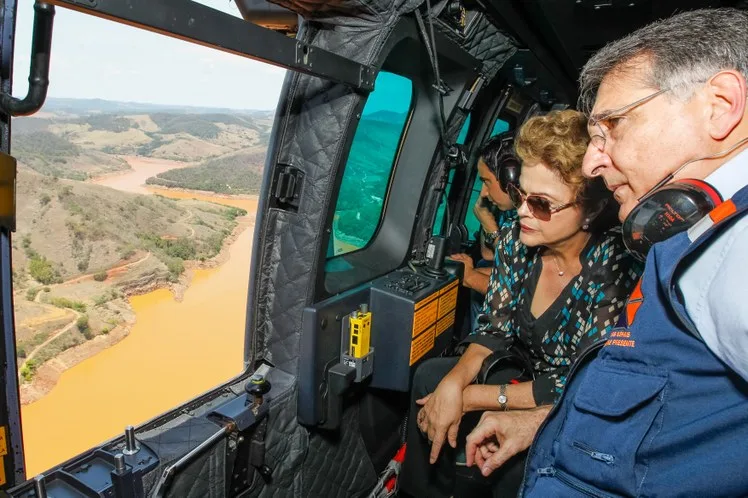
(655,413)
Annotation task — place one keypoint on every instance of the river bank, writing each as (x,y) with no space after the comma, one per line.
(48,373)
(174,351)
(180,340)
(142,168)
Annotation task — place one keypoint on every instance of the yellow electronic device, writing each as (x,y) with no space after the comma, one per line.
(360,330)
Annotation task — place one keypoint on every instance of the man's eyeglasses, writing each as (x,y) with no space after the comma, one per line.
(598,136)
(540,207)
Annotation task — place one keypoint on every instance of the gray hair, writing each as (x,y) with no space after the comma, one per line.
(683,50)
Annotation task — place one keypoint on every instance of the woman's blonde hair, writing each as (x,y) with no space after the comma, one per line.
(559,140)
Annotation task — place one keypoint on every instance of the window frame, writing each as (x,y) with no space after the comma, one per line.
(393,168)
(392,242)
(494,102)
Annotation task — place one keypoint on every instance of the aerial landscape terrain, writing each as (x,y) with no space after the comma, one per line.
(132,252)
(82,247)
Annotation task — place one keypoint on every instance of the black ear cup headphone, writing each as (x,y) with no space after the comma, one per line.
(509,170)
(667,211)
(670,208)
(498,153)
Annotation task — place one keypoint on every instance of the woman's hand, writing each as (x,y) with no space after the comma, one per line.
(440,416)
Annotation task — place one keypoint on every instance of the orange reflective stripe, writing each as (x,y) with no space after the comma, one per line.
(635,301)
(722,211)
(637,292)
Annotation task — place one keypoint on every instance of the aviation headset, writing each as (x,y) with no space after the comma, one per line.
(670,208)
(498,154)
(667,211)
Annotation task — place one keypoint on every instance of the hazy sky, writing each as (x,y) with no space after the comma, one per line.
(93,58)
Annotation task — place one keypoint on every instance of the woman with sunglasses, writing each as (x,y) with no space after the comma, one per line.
(557,288)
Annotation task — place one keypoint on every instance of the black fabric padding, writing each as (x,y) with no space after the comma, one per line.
(203,478)
(312,137)
(352,476)
(313,134)
(356,13)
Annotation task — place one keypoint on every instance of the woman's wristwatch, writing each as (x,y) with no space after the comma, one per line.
(502,397)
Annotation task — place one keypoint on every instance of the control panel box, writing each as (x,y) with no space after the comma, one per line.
(413,319)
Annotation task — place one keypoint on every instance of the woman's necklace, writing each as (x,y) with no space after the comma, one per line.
(560,271)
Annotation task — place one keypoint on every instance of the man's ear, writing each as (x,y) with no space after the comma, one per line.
(726,97)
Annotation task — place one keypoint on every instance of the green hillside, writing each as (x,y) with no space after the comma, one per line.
(225,175)
(69,228)
(91,143)
(367,175)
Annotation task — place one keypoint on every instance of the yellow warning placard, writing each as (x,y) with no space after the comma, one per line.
(445,323)
(449,287)
(427,300)
(447,301)
(3,441)
(425,316)
(422,345)
(3,480)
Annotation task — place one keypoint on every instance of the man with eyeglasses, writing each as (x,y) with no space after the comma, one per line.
(662,408)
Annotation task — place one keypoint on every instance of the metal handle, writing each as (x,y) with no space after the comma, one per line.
(41,48)
(167,476)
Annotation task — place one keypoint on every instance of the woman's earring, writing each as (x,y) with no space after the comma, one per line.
(586,225)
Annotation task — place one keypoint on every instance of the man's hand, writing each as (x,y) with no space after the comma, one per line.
(514,432)
(473,278)
(483,213)
(469,266)
(440,416)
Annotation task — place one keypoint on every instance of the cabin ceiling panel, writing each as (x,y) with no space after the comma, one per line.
(353,12)
(490,46)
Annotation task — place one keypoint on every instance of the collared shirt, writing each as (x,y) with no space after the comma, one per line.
(714,286)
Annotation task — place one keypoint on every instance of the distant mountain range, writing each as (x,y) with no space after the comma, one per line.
(83,138)
(88,106)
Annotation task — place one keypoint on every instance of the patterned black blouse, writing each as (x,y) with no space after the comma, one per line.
(583,314)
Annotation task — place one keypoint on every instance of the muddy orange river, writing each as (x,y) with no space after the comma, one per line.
(175,351)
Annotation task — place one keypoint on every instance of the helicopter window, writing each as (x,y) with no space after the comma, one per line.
(130,298)
(370,163)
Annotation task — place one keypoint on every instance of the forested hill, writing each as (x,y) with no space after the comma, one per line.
(81,139)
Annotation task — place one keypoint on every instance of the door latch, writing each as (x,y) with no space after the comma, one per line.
(286,188)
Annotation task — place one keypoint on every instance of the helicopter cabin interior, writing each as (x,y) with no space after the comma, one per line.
(385,106)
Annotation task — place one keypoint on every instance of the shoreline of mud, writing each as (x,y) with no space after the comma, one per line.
(249,197)
(48,373)
(113,174)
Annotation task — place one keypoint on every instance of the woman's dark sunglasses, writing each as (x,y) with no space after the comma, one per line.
(540,207)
